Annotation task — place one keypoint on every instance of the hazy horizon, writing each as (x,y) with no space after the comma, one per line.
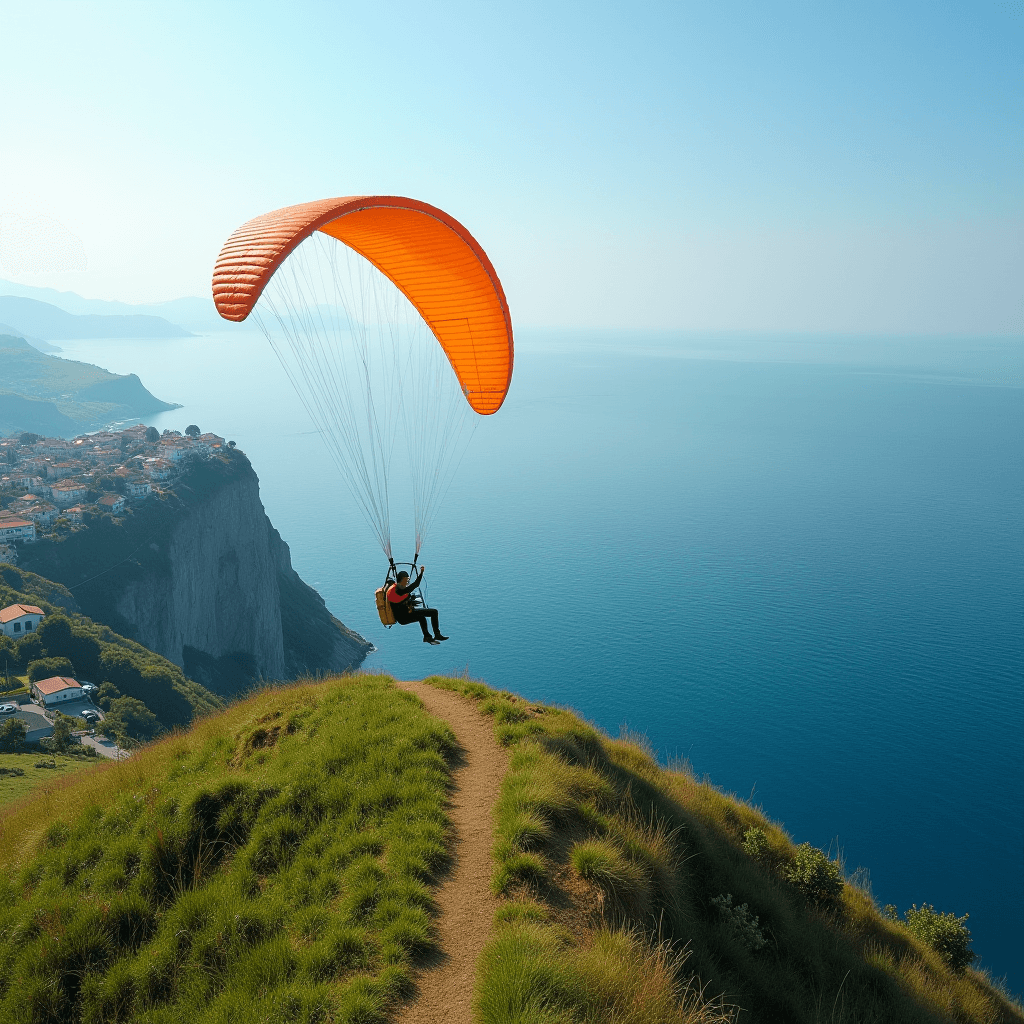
(719,167)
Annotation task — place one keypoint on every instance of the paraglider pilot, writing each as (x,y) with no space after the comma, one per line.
(400,599)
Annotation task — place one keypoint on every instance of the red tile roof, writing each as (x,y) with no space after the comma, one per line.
(57,683)
(16,611)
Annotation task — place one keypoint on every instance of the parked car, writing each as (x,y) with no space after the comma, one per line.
(90,716)
(89,688)
(6,709)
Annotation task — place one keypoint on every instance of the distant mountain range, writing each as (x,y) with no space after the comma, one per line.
(49,323)
(192,313)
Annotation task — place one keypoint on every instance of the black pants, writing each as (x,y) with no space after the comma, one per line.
(421,615)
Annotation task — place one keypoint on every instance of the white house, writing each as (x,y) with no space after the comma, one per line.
(174,449)
(158,469)
(17,530)
(139,488)
(60,470)
(55,689)
(111,503)
(18,619)
(65,495)
(42,514)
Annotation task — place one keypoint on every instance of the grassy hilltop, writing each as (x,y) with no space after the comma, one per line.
(277,862)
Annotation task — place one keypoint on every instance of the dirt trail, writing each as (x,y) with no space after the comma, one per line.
(444,987)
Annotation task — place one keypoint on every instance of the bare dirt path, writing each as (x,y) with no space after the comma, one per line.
(444,987)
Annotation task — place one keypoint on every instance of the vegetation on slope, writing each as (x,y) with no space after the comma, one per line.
(95,653)
(270,864)
(86,395)
(631,890)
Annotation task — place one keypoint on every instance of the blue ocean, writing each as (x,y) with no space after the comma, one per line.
(795,562)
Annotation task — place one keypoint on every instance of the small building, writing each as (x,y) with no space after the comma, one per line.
(42,514)
(18,619)
(67,494)
(139,488)
(62,470)
(158,469)
(174,449)
(111,503)
(74,513)
(17,529)
(56,689)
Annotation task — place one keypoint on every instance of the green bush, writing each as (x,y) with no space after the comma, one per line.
(816,877)
(45,668)
(755,844)
(947,934)
(741,922)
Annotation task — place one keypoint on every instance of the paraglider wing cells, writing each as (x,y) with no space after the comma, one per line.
(428,255)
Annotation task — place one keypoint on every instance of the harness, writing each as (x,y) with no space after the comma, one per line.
(385,596)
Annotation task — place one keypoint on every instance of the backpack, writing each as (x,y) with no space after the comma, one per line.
(387,616)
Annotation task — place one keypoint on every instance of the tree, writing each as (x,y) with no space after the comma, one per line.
(12,734)
(28,438)
(106,694)
(128,717)
(192,430)
(61,738)
(47,668)
(152,435)
(231,444)
(54,633)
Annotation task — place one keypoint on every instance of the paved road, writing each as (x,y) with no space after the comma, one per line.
(104,747)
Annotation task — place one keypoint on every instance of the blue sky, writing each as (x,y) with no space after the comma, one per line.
(712,166)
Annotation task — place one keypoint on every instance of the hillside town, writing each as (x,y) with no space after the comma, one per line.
(48,483)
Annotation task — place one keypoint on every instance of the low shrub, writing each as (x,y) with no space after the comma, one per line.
(755,844)
(816,877)
(741,922)
(946,933)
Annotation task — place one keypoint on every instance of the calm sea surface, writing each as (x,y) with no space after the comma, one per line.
(798,563)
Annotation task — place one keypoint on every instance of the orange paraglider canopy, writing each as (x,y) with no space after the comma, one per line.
(429,256)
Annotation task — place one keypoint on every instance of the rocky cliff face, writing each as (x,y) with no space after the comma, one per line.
(209,585)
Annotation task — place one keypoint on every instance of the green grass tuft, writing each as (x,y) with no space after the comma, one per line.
(622,882)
